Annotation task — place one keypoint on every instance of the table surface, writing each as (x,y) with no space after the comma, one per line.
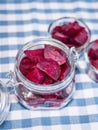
(24,20)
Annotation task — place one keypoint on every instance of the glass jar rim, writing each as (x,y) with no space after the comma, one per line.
(46,88)
(80,21)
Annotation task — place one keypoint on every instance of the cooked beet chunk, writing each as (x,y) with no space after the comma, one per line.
(35,55)
(71,34)
(36,76)
(61,37)
(55,54)
(65,69)
(48,80)
(50,67)
(73,29)
(93,53)
(56,29)
(95,63)
(26,65)
(81,38)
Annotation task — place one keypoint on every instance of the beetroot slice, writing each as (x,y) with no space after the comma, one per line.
(94,45)
(50,67)
(35,55)
(71,34)
(95,63)
(65,69)
(26,65)
(66,27)
(81,38)
(74,30)
(48,80)
(49,97)
(93,50)
(61,37)
(35,100)
(56,29)
(93,54)
(55,54)
(96,53)
(36,76)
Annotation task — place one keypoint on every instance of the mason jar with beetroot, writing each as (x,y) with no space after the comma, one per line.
(45,72)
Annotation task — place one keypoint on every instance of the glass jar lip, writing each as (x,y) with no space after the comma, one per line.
(79,49)
(42,88)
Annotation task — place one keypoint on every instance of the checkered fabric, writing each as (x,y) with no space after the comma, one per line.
(24,20)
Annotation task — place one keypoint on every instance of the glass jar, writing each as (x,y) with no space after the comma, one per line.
(91,70)
(38,96)
(66,29)
(4,102)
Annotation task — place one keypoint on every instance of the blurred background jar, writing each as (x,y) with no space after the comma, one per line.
(72,32)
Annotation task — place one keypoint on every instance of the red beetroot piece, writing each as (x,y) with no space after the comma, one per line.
(56,29)
(50,67)
(81,38)
(71,34)
(59,34)
(49,97)
(26,65)
(65,69)
(94,63)
(66,27)
(35,55)
(35,100)
(36,76)
(72,29)
(48,80)
(93,50)
(94,45)
(61,37)
(54,53)
(93,53)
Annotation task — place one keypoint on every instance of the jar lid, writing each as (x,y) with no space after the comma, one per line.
(4,102)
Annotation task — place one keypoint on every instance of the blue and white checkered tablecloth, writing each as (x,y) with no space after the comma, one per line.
(24,20)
